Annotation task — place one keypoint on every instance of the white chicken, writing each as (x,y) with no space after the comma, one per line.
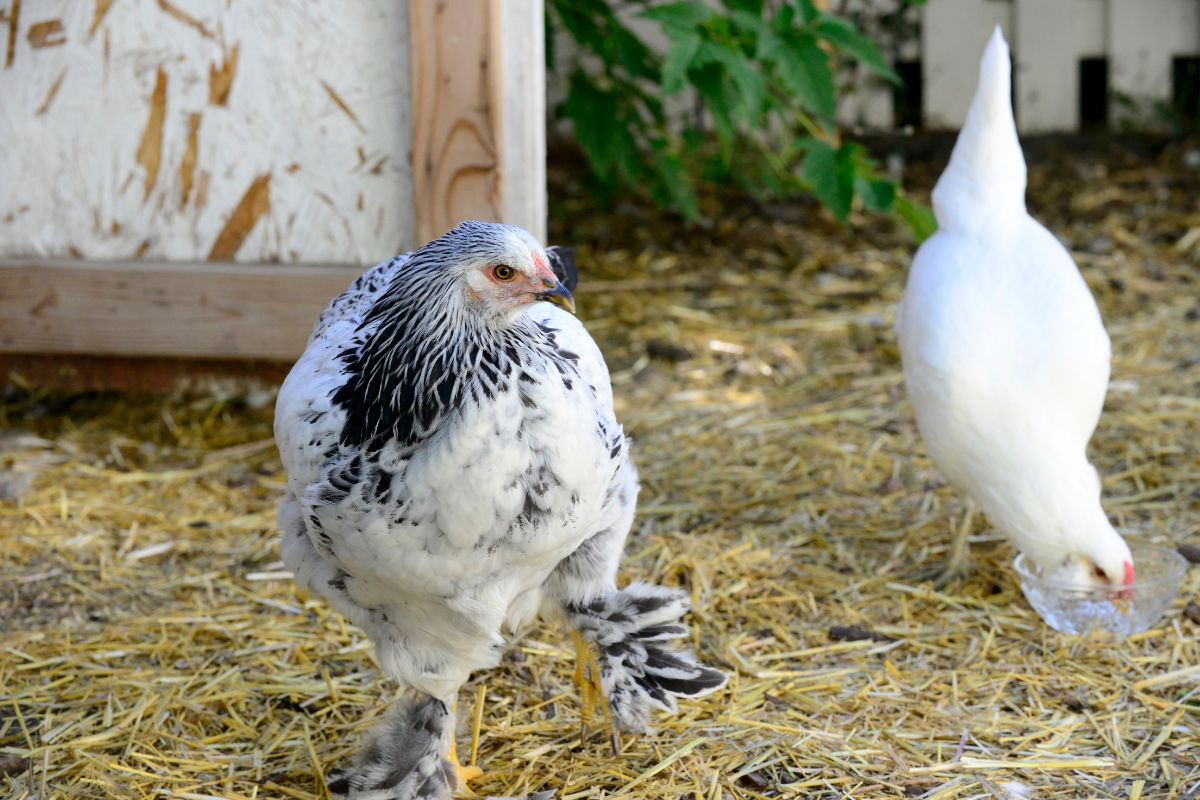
(1006,359)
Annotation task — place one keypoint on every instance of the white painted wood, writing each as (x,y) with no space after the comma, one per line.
(518,43)
(1143,37)
(1051,36)
(1048,37)
(318,102)
(953,35)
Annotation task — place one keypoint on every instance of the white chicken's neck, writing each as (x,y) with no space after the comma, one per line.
(985,181)
(1049,506)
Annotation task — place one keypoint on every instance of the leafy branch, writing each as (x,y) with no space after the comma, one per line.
(763,75)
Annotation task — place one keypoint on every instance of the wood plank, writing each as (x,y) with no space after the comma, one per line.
(478,113)
(518,49)
(86,373)
(183,310)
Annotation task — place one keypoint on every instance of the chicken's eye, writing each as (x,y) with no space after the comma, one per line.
(1099,573)
(504,273)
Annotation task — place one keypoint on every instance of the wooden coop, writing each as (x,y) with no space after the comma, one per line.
(184,183)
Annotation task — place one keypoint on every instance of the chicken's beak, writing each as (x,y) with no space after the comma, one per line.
(559,296)
(1126,594)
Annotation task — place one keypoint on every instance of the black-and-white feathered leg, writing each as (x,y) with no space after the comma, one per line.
(636,631)
(404,757)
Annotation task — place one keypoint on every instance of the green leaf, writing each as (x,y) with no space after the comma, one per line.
(782,23)
(603,135)
(830,173)
(631,52)
(680,55)
(751,86)
(918,218)
(754,66)
(804,69)
(751,24)
(720,102)
(842,35)
(808,12)
(754,7)
(674,185)
(682,16)
(878,195)
(581,25)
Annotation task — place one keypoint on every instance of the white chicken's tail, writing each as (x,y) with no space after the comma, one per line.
(986,175)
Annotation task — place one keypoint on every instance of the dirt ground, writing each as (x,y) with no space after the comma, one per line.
(151,648)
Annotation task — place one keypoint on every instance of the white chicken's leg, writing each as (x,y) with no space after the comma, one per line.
(956,565)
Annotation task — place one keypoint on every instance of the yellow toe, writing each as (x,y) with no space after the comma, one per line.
(587,680)
(464,774)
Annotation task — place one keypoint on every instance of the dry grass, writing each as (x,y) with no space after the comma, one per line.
(151,649)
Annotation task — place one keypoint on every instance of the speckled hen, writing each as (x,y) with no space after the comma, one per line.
(454,468)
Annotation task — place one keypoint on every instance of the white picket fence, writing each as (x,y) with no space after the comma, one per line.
(1139,39)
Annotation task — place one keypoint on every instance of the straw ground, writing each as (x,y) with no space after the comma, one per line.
(152,646)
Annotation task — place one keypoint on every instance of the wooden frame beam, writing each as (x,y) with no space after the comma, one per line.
(88,373)
(178,310)
(478,113)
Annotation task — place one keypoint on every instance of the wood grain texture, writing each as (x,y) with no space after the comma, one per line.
(186,310)
(478,113)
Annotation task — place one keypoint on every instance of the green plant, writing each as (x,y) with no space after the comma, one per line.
(763,74)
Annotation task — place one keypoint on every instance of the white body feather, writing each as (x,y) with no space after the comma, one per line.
(1006,359)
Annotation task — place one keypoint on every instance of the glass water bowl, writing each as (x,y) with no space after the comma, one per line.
(1067,608)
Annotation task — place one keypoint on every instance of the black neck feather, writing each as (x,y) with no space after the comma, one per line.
(420,355)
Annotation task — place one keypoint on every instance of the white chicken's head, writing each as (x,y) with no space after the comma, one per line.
(1103,562)
(1081,549)
(502,269)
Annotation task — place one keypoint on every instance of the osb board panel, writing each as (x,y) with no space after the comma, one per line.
(200,310)
(198,129)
